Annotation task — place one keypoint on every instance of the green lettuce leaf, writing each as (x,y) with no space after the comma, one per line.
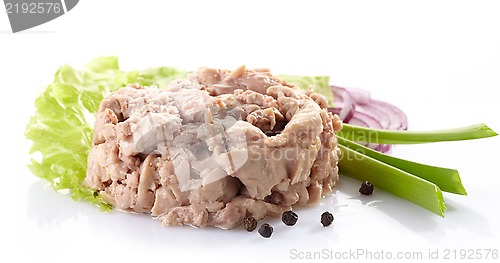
(320,84)
(62,126)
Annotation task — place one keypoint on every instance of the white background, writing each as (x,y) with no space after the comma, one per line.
(437,60)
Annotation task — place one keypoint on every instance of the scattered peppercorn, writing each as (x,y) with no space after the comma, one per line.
(289,218)
(326,218)
(266,230)
(366,188)
(250,223)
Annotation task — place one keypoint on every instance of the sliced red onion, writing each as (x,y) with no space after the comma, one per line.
(399,121)
(343,100)
(383,148)
(360,96)
(365,120)
(355,106)
(377,113)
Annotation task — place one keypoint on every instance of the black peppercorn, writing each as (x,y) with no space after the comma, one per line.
(289,218)
(326,218)
(250,223)
(366,188)
(266,230)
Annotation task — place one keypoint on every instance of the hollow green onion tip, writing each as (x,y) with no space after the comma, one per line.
(362,134)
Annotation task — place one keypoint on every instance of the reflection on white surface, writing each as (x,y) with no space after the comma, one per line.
(51,209)
(57,223)
(468,219)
